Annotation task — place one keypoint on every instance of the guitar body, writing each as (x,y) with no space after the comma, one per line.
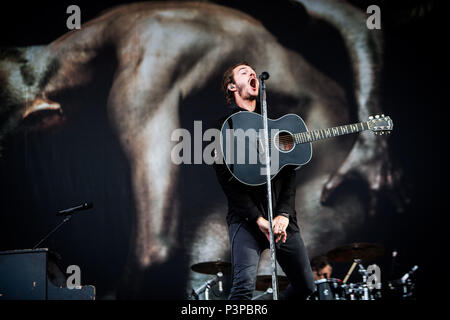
(239,150)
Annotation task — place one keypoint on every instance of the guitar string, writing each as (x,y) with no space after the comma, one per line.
(291,137)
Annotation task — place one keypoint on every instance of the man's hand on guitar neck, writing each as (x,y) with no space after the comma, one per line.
(280,224)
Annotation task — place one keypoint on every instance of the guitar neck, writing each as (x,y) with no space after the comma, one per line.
(310,136)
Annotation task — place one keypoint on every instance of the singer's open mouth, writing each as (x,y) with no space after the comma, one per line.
(253,83)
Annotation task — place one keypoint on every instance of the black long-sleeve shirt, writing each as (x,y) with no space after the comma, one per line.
(247,203)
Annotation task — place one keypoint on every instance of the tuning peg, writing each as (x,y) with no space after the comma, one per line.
(371,117)
(377,116)
(382,115)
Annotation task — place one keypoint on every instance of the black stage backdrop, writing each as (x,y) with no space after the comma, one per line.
(42,171)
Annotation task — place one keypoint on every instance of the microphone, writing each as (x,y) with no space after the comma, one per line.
(69,211)
(264,76)
(406,276)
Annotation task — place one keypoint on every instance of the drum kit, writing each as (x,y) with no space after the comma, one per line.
(369,288)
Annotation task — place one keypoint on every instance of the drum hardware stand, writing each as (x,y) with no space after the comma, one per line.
(363,272)
(206,287)
(407,283)
(406,286)
(262,77)
(352,291)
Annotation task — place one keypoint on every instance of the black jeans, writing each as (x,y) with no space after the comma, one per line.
(247,243)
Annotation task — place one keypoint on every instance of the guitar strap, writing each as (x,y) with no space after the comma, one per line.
(230,124)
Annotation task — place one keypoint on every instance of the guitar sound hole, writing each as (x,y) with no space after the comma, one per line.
(284,141)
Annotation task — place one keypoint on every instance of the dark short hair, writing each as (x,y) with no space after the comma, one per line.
(319,262)
(228,77)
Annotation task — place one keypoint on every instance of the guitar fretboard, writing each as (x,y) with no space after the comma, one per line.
(310,136)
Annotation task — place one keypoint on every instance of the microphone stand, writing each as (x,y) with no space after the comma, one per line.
(68,213)
(273,261)
(67,218)
(204,288)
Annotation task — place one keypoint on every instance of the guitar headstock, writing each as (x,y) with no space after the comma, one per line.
(380,125)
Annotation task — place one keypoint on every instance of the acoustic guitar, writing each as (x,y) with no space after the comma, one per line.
(290,142)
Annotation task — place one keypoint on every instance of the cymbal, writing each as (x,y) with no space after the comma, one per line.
(265,281)
(212,267)
(361,250)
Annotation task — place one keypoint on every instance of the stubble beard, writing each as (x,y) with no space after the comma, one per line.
(244,94)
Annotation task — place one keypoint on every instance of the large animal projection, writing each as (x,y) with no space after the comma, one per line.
(160,54)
